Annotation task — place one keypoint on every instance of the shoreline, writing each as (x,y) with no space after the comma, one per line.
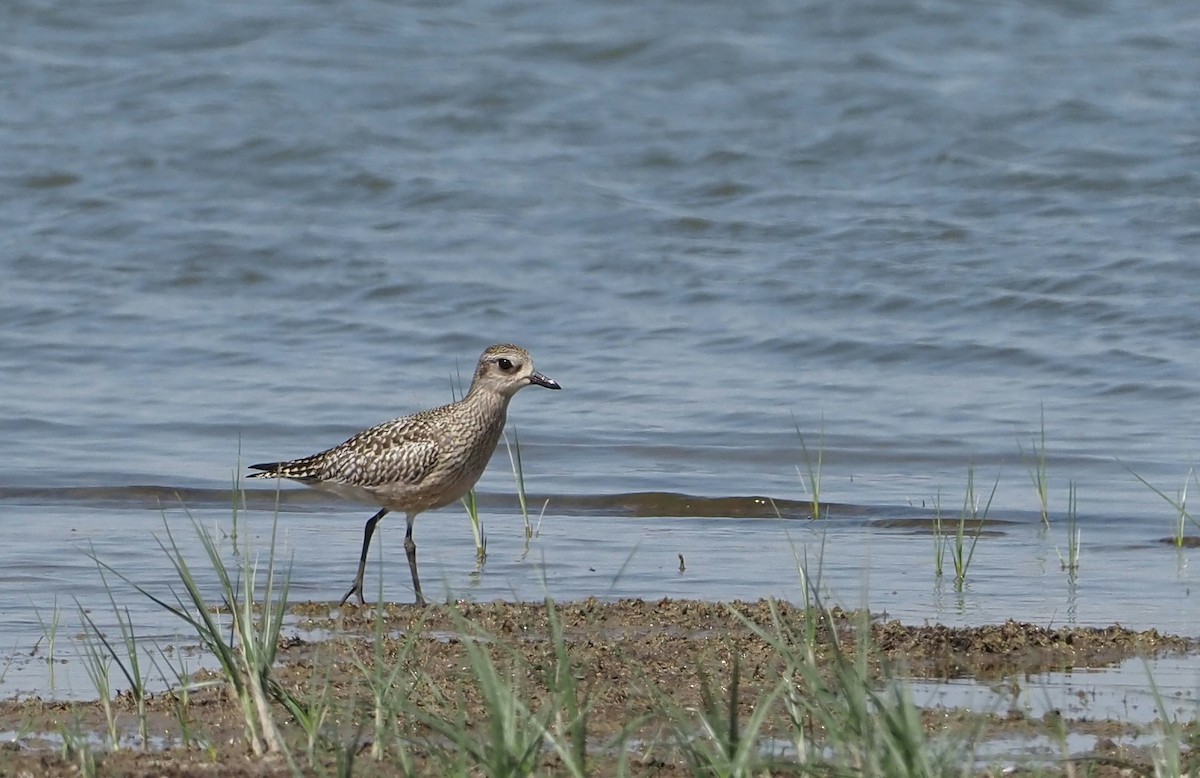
(644,672)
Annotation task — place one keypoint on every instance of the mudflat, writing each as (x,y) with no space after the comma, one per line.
(632,686)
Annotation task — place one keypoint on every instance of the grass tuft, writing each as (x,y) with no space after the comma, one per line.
(128,660)
(812,485)
(727,745)
(49,629)
(1038,472)
(470,504)
(1179,502)
(963,552)
(247,655)
(389,686)
(514,460)
(1070,563)
(508,741)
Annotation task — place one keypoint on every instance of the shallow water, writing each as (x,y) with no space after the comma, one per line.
(907,231)
(617,546)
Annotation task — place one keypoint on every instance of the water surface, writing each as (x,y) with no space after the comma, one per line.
(896,233)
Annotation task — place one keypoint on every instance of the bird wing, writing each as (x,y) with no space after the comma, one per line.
(403,450)
(400,451)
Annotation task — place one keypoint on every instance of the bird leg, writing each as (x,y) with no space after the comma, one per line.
(410,548)
(362,560)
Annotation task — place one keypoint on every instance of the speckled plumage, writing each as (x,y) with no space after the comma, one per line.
(423,461)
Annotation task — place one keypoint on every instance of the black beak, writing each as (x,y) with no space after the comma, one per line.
(541,380)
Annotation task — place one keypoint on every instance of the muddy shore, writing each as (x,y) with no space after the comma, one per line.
(642,671)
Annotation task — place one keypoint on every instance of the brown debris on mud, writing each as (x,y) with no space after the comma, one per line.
(637,664)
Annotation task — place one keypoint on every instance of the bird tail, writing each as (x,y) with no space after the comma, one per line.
(296,469)
(270,470)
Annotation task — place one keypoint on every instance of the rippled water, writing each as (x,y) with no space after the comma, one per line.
(904,229)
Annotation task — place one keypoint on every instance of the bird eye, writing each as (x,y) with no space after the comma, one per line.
(505,364)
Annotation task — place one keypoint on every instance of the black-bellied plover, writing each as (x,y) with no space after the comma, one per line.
(423,461)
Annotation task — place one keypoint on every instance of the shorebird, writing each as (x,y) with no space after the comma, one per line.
(420,462)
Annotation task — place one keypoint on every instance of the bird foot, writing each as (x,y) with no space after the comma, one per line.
(354,590)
